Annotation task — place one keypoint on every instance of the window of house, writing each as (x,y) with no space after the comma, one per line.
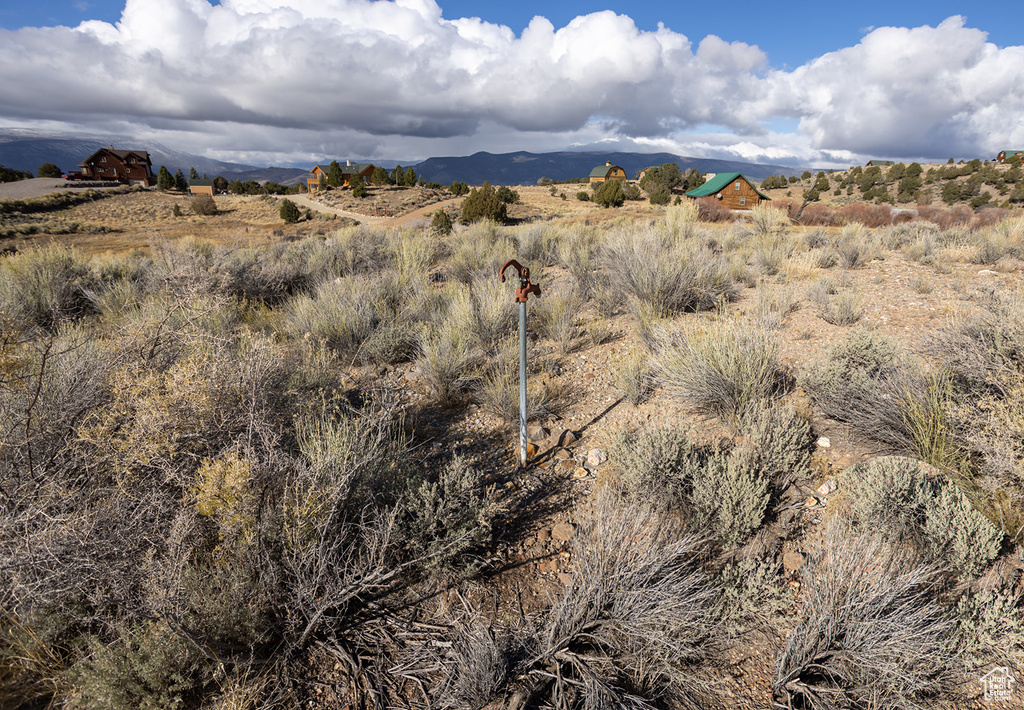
(743,200)
(736,186)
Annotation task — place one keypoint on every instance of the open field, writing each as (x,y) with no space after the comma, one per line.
(245,464)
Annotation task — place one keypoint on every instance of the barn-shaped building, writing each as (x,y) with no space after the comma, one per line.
(734,191)
(1005,155)
(607,172)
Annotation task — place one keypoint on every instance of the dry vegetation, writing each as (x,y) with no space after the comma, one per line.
(246,469)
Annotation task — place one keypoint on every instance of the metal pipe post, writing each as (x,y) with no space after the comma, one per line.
(522,383)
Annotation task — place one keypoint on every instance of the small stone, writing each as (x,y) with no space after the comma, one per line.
(811,502)
(567,437)
(563,532)
(580,473)
(988,272)
(567,465)
(549,566)
(562,454)
(596,457)
(565,578)
(531,450)
(544,534)
(823,442)
(536,432)
(828,487)
(792,562)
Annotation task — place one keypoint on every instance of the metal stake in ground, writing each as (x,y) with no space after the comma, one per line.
(524,290)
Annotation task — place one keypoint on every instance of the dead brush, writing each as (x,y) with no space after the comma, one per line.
(638,622)
(872,634)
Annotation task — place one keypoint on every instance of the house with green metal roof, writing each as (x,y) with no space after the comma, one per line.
(1005,155)
(734,191)
(348,171)
(607,172)
(201,187)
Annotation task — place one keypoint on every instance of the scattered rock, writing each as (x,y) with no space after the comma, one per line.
(828,487)
(988,272)
(582,473)
(563,532)
(567,437)
(562,454)
(792,562)
(549,566)
(811,502)
(536,432)
(596,457)
(567,465)
(544,534)
(531,450)
(824,443)
(565,578)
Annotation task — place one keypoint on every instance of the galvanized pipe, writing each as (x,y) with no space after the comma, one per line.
(522,383)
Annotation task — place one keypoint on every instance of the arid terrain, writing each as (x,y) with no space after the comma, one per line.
(243,373)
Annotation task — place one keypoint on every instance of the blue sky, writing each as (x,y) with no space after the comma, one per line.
(282,81)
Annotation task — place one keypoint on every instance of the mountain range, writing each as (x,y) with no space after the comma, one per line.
(22,149)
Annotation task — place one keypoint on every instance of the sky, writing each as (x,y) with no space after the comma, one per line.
(286,82)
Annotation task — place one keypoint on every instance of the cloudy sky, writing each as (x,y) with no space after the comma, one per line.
(292,81)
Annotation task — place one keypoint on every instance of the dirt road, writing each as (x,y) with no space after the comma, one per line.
(400,220)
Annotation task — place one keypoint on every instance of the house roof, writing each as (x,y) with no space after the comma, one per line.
(1012,152)
(198,182)
(122,154)
(720,182)
(349,169)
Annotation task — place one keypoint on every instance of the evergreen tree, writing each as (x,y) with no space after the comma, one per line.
(409,177)
(484,204)
(192,174)
(379,176)
(610,194)
(335,178)
(179,181)
(289,212)
(164,179)
(358,186)
(49,170)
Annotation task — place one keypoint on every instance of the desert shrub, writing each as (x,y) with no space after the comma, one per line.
(851,247)
(484,204)
(575,252)
(866,214)
(660,195)
(989,628)
(865,381)
(44,286)
(871,635)
(753,596)
(609,194)
(448,362)
(535,244)
(635,587)
(681,220)
(712,210)
(339,313)
(557,317)
(843,308)
(767,220)
(497,390)
(773,306)
(817,214)
(729,495)
(481,248)
(771,252)
(781,438)
(583,196)
(633,377)
(148,667)
(896,497)
(723,368)
(441,223)
(204,205)
(653,465)
(289,212)
(669,278)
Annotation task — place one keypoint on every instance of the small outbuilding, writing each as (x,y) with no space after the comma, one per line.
(201,187)
(734,191)
(879,164)
(607,172)
(1005,155)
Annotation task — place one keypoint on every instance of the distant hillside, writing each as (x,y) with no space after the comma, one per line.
(527,168)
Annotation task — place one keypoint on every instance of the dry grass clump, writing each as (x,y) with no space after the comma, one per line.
(45,286)
(665,277)
(872,634)
(723,367)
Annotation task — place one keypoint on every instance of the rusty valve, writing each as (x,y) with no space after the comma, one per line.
(525,287)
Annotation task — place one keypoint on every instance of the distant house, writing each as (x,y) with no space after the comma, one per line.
(201,187)
(348,171)
(1005,155)
(607,172)
(879,163)
(131,167)
(734,190)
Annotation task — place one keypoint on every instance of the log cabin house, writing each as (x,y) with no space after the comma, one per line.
(734,190)
(879,164)
(131,167)
(607,172)
(1005,155)
(348,171)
